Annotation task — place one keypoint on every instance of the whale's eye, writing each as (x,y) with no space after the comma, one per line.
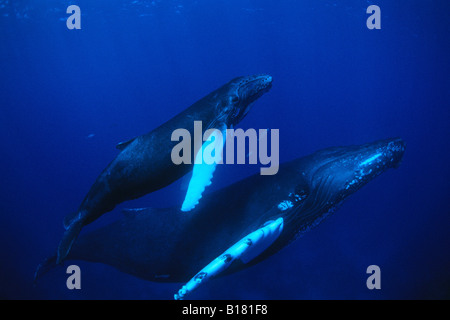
(301,193)
(234,99)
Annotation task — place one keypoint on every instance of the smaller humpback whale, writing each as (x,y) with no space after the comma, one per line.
(145,165)
(238,226)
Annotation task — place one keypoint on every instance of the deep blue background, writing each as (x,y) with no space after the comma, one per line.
(68,96)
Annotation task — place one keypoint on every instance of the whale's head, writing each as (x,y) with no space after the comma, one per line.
(327,177)
(240,93)
(343,170)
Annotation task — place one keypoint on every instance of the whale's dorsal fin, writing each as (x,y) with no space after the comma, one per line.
(133,211)
(204,167)
(246,249)
(124,144)
(139,212)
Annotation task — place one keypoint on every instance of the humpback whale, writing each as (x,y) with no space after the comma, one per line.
(237,226)
(144,163)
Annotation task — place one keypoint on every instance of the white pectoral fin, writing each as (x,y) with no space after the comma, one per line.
(245,249)
(262,239)
(206,160)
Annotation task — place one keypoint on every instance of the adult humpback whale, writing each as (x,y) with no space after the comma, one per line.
(237,226)
(144,163)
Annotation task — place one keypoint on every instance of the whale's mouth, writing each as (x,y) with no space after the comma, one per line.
(383,154)
(353,167)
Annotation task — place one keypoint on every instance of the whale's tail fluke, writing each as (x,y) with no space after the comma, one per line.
(44,267)
(73,223)
(72,230)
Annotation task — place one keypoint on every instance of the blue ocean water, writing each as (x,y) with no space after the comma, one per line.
(68,97)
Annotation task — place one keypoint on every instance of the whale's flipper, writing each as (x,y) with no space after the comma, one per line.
(204,167)
(245,249)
